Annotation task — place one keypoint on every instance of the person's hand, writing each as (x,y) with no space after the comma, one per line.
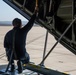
(36,9)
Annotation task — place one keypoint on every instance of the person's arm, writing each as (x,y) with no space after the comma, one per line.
(29,25)
(6,42)
(6,46)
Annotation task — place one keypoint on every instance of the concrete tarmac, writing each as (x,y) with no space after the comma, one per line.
(60,59)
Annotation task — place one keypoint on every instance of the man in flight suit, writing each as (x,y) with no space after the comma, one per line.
(19,41)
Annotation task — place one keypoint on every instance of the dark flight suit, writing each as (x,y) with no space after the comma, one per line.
(20,40)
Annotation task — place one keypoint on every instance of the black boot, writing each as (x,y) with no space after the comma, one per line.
(12,67)
(20,67)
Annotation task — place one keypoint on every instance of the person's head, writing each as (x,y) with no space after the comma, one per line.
(17,22)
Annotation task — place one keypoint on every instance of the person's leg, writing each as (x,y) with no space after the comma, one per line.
(8,53)
(26,59)
(20,67)
(12,65)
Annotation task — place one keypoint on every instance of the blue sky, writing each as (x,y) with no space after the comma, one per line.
(7,13)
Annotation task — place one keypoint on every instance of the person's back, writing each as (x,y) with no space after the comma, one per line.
(19,43)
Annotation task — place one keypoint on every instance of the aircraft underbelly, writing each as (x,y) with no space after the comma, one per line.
(63,14)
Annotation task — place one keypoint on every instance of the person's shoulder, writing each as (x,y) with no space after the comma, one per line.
(9,32)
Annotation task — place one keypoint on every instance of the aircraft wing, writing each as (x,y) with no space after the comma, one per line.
(54,15)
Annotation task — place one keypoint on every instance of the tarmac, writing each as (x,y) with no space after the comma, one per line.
(60,59)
